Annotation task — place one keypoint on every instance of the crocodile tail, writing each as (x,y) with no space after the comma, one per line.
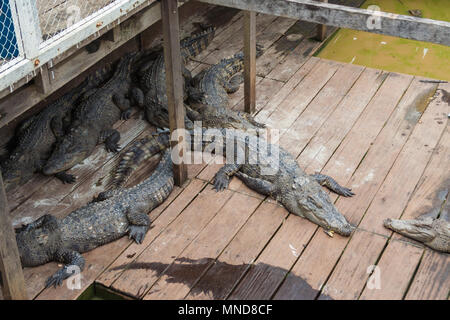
(195,44)
(232,65)
(140,151)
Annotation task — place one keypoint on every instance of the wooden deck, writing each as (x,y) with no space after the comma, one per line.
(385,135)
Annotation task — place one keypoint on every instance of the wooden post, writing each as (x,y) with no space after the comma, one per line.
(10,267)
(42,80)
(249,61)
(174,83)
(321,29)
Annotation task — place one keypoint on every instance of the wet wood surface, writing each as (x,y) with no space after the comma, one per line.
(383,134)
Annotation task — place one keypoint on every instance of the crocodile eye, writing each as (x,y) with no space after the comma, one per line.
(314,202)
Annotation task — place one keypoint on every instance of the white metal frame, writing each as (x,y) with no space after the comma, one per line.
(33,53)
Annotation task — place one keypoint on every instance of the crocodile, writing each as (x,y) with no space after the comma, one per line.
(263,167)
(220,80)
(432,228)
(37,135)
(153,78)
(93,120)
(113,215)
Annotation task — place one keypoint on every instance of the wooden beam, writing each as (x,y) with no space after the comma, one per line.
(13,282)
(43,81)
(174,84)
(321,29)
(249,61)
(346,17)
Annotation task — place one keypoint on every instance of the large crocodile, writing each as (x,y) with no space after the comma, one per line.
(153,78)
(219,80)
(264,167)
(432,229)
(36,136)
(93,120)
(118,212)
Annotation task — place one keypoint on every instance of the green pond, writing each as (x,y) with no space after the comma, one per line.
(391,53)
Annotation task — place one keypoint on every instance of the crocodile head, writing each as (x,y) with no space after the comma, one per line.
(307,199)
(71,150)
(418,229)
(37,245)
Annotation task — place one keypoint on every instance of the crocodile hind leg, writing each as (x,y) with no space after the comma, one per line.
(331,184)
(73,263)
(137,97)
(139,225)
(259,185)
(123,104)
(111,139)
(65,177)
(233,85)
(222,177)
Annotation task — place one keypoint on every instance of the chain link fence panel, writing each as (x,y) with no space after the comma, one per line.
(56,16)
(9,48)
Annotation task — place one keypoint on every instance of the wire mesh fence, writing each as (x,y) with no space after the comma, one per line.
(56,16)
(9,48)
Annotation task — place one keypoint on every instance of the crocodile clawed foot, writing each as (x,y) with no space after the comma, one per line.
(112,147)
(56,279)
(137,233)
(220,183)
(346,192)
(66,177)
(126,114)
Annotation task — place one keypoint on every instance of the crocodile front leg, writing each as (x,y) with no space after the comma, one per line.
(111,139)
(259,185)
(222,177)
(139,223)
(46,219)
(331,184)
(74,262)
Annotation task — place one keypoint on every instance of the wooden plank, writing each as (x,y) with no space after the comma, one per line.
(320,108)
(346,17)
(298,99)
(432,279)
(267,88)
(180,276)
(396,267)
(322,29)
(114,271)
(13,287)
(392,195)
(340,122)
(352,270)
(249,61)
(233,44)
(218,282)
(314,269)
(402,179)
(269,270)
(280,96)
(140,274)
(433,182)
(174,85)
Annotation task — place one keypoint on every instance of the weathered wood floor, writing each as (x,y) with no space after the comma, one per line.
(385,135)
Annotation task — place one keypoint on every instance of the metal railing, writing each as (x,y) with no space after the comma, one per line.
(33,32)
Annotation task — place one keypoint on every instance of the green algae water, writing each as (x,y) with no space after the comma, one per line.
(391,53)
